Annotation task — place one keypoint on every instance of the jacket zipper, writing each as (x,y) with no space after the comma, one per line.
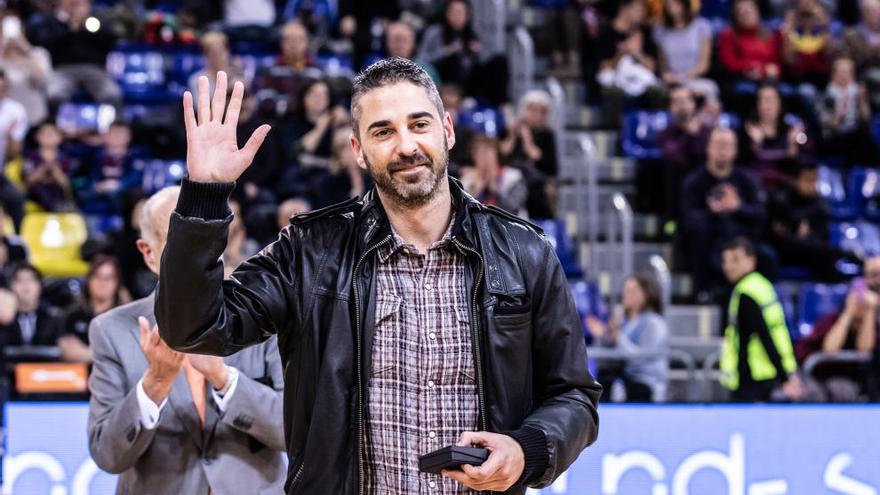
(475,336)
(296,477)
(359,365)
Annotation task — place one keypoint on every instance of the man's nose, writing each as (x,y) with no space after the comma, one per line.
(407,146)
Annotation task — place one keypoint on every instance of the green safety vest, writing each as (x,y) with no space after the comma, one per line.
(757,287)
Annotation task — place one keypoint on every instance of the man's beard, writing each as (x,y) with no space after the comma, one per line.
(418,190)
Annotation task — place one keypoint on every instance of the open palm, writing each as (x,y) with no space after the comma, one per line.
(212,153)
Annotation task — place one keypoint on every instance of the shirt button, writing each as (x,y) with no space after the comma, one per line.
(428,286)
(430,383)
(432,484)
(432,335)
(432,434)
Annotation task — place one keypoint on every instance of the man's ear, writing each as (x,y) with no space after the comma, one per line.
(146,251)
(358,151)
(449,128)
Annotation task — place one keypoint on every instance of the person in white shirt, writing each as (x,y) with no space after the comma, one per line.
(218,421)
(13,128)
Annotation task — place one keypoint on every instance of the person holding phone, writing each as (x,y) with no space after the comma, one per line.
(27,69)
(408,320)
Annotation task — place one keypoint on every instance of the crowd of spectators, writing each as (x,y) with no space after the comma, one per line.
(757,98)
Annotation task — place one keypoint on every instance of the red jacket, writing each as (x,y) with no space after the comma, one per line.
(741,50)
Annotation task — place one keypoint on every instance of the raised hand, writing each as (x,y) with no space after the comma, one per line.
(212,153)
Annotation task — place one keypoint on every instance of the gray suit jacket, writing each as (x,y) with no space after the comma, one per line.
(236,452)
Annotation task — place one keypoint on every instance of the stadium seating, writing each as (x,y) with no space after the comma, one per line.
(160,173)
(859,237)
(817,300)
(80,118)
(140,74)
(831,187)
(558,235)
(864,189)
(485,120)
(54,240)
(641,130)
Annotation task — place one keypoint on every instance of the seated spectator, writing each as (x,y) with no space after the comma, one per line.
(627,58)
(296,53)
(307,136)
(452,46)
(46,171)
(682,143)
(13,128)
(79,52)
(530,145)
(361,23)
(806,44)
(861,43)
(770,144)
(643,330)
(215,48)
(491,182)
(854,328)
(684,42)
(400,41)
(459,155)
(719,202)
(846,115)
(798,220)
(111,173)
(757,359)
(747,49)
(248,20)
(36,323)
(102,291)
(27,69)
(345,179)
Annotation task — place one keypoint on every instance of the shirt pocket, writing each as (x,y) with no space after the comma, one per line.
(385,336)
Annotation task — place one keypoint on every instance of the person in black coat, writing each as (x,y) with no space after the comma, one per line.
(35,323)
(719,203)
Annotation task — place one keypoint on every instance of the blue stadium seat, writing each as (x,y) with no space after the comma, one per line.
(875,129)
(160,173)
(817,300)
(588,301)
(182,66)
(79,118)
(140,74)
(253,63)
(786,298)
(336,65)
(103,224)
(715,9)
(831,188)
(556,232)
(484,120)
(860,237)
(641,130)
(864,190)
(548,4)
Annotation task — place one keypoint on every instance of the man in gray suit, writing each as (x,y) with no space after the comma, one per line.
(174,423)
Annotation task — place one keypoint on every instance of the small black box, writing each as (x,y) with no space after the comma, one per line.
(452,457)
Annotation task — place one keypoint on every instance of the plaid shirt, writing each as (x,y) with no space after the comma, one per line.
(422,392)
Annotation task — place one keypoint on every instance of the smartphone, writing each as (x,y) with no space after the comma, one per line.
(11,27)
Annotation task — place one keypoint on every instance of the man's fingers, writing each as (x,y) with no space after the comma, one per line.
(234,104)
(145,329)
(204,101)
(219,104)
(459,476)
(189,114)
(469,438)
(256,140)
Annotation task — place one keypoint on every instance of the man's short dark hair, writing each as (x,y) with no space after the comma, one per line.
(24,267)
(384,73)
(741,243)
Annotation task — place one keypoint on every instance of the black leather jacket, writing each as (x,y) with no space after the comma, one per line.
(314,287)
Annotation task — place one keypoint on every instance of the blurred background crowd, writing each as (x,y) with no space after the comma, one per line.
(697,122)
